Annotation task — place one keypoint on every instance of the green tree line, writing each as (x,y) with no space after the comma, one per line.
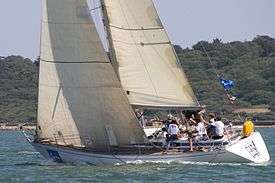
(251,64)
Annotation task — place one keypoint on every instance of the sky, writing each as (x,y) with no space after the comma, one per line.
(187,22)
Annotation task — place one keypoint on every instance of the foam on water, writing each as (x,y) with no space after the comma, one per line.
(139,162)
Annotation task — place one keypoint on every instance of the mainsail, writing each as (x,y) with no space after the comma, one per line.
(144,57)
(81,101)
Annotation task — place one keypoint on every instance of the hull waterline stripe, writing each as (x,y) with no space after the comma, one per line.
(78,152)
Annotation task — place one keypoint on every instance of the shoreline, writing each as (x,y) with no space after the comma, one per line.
(17,126)
(24,126)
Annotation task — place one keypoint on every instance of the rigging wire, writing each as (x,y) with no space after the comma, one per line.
(219,77)
(210,60)
(96,8)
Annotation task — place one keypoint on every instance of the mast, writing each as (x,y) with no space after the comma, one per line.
(40,43)
(106,23)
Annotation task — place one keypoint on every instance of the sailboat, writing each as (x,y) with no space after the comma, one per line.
(86,99)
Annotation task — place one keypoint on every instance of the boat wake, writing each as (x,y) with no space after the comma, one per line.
(51,163)
(139,162)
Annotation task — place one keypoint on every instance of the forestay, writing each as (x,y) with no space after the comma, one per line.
(144,56)
(81,101)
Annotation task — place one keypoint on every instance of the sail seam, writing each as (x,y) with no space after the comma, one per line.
(136,29)
(58,86)
(63,62)
(142,43)
(165,107)
(73,23)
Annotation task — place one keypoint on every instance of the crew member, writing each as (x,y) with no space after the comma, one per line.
(211,127)
(248,128)
(219,129)
(200,128)
(173,132)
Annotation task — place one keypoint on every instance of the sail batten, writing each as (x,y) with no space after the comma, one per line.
(147,64)
(81,101)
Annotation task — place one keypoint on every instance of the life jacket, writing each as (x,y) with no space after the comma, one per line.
(248,128)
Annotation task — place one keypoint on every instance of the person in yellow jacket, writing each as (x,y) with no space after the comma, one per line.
(248,128)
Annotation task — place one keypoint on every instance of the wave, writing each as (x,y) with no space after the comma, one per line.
(21,164)
(27,153)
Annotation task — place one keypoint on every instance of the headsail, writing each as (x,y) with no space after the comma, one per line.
(146,61)
(81,101)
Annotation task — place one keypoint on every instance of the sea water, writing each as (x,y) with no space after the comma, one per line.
(19,162)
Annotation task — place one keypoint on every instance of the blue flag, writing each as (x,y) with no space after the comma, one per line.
(227,84)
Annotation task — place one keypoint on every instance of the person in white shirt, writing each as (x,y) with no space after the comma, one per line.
(173,131)
(201,130)
(219,129)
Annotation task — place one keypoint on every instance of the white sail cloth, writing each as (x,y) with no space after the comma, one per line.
(81,101)
(146,62)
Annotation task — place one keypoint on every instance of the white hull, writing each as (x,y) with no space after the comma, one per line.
(248,150)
